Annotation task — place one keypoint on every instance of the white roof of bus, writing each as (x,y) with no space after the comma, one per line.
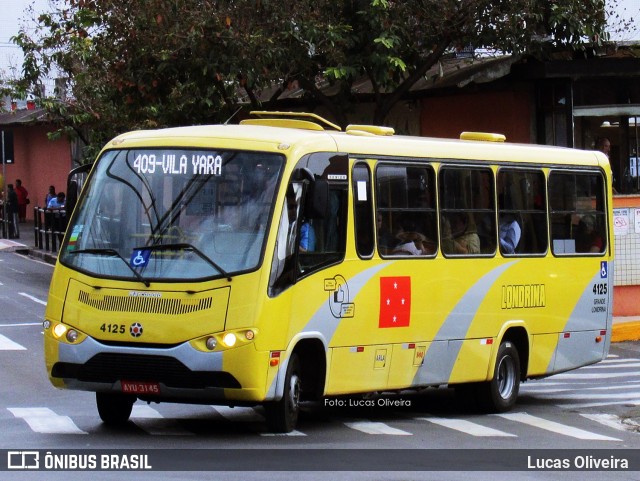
(269,138)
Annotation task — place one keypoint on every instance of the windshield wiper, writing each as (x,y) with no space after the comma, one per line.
(188,247)
(112,253)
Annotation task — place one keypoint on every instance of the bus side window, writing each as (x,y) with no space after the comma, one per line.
(467,207)
(522,217)
(363,209)
(405,210)
(577,210)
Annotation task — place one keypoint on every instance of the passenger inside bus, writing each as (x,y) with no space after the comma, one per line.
(510,233)
(411,242)
(458,236)
(385,239)
(587,237)
(307,237)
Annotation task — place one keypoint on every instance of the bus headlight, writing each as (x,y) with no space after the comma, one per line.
(229,339)
(59,330)
(221,341)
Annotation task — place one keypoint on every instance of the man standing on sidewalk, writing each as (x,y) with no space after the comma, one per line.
(12,212)
(23,200)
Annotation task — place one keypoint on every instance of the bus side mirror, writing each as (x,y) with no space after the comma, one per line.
(75,181)
(317,199)
(72,197)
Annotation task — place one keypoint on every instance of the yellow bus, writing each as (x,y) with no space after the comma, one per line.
(283,260)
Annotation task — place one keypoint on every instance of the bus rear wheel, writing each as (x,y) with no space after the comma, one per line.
(114,409)
(282,415)
(500,394)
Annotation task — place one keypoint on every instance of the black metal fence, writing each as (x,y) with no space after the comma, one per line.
(6,225)
(49,227)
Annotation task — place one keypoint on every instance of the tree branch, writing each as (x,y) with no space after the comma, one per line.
(388,101)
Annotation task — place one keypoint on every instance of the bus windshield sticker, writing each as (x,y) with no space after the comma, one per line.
(140,258)
(75,235)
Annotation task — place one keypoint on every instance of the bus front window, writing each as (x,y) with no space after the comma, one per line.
(173,214)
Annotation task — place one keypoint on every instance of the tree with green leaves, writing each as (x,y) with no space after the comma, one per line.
(155,63)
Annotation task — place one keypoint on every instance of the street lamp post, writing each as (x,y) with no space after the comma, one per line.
(4,191)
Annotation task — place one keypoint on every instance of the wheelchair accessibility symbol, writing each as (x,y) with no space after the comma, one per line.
(139,258)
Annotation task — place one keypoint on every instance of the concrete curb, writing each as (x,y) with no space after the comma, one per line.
(7,245)
(625,330)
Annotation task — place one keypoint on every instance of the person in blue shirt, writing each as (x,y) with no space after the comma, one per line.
(57,202)
(307,237)
(510,233)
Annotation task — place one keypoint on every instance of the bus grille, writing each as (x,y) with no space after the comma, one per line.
(109,367)
(153,305)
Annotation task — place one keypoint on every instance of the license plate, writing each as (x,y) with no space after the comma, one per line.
(139,387)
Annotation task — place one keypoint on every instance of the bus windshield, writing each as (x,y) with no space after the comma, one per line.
(171,214)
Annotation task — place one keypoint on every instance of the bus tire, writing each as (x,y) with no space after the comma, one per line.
(500,394)
(282,415)
(114,409)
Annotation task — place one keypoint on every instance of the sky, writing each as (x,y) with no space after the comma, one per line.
(13,15)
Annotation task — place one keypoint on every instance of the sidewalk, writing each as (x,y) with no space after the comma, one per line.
(26,244)
(624,328)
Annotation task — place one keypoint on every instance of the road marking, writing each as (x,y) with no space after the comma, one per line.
(555,427)
(20,324)
(466,427)
(34,299)
(598,404)
(618,361)
(44,420)
(617,364)
(7,344)
(610,420)
(151,421)
(582,388)
(600,375)
(596,397)
(26,257)
(370,427)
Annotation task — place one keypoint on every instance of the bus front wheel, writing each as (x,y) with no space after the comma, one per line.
(500,394)
(114,408)
(282,415)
